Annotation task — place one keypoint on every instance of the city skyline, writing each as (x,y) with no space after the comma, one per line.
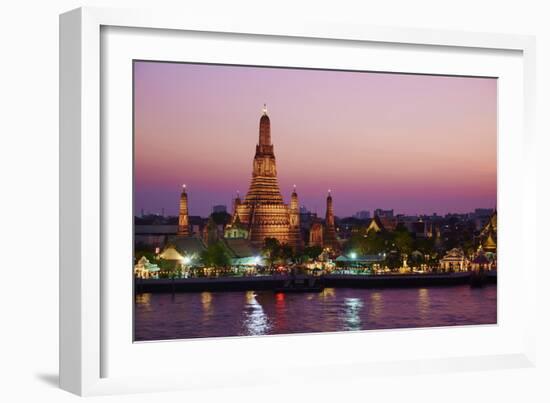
(163,213)
(351,132)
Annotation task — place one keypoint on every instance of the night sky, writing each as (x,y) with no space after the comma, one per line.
(414,143)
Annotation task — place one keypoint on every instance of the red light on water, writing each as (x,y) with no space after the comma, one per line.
(280,296)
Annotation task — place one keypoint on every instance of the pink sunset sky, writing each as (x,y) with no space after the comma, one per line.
(416,143)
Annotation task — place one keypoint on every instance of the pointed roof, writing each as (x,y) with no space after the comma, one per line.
(180,246)
(375,224)
(490,244)
(237,223)
(170,253)
(239,248)
(491,225)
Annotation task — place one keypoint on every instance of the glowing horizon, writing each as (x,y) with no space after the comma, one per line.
(418,144)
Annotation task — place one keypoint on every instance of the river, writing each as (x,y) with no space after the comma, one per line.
(163,316)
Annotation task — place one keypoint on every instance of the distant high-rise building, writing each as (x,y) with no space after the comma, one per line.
(383,213)
(483,212)
(362,215)
(220,208)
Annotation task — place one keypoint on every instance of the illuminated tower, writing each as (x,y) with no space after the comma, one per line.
(236,203)
(330,240)
(183,221)
(264,187)
(263,209)
(294,234)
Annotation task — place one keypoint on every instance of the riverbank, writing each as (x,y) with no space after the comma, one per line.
(330,280)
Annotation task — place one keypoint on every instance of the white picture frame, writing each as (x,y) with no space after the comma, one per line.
(84,298)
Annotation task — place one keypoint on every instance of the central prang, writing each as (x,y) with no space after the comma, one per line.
(263,210)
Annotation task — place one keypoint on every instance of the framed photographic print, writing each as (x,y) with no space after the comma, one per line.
(320,196)
(212,263)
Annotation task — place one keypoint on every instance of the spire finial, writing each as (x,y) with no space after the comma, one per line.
(329,192)
(184,186)
(264,110)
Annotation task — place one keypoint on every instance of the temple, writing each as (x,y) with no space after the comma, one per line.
(488,234)
(263,213)
(183,220)
(329,235)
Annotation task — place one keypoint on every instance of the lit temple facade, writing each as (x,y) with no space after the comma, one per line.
(263,211)
(183,219)
(488,234)
(329,235)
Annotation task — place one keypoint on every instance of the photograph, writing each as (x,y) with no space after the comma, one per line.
(274,200)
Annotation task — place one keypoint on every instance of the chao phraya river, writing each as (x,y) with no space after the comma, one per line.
(162,316)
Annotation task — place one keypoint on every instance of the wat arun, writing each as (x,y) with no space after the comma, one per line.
(263,213)
(263,210)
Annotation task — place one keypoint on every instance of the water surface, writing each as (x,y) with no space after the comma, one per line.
(221,314)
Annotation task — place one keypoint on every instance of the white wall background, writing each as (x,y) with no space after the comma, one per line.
(29,194)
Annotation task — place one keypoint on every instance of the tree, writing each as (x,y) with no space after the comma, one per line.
(286,252)
(393,260)
(168,268)
(271,250)
(425,245)
(416,258)
(221,218)
(215,255)
(403,240)
(312,252)
(376,242)
(358,244)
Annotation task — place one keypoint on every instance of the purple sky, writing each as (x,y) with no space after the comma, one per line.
(417,144)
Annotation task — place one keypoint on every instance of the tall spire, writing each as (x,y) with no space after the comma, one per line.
(294,232)
(329,213)
(263,211)
(236,204)
(329,234)
(294,201)
(265,129)
(183,219)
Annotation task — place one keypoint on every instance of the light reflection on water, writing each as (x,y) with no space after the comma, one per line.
(423,303)
(219,314)
(352,318)
(255,320)
(206,300)
(375,306)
